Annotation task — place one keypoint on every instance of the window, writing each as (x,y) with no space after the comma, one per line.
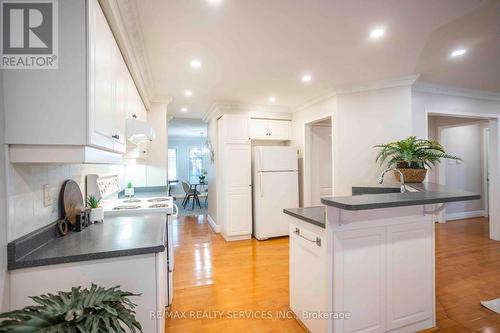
(196,163)
(172,164)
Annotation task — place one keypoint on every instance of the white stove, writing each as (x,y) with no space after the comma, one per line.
(138,205)
(107,188)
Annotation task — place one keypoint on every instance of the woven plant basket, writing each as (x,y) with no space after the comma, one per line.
(411,175)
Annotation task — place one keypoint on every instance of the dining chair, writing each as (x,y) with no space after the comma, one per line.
(190,194)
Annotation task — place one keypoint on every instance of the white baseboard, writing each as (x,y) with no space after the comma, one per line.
(465,215)
(211,222)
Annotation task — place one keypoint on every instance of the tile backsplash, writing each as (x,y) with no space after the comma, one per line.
(25,189)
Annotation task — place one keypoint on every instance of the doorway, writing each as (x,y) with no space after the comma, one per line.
(318,175)
(187,165)
(467,138)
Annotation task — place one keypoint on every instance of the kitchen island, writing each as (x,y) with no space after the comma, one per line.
(369,267)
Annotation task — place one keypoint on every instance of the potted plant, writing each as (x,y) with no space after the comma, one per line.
(129,191)
(96,309)
(96,211)
(202,176)
(411,156)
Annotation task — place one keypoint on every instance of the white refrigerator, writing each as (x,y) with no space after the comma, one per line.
(276,187)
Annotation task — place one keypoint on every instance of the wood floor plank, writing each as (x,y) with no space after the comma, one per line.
(235,280)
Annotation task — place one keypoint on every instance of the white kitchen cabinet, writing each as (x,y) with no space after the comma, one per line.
(308,273)
(235,129)
(270,129)
(234,178)
(82,105)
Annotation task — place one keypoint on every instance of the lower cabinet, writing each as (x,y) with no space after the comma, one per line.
(384,277)
(308,274)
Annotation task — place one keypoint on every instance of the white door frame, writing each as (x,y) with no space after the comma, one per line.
(494,163)
(307,179)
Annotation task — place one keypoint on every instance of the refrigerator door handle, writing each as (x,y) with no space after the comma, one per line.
(260,181)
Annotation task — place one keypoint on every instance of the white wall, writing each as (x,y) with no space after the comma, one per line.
(25,181)
(465,141)
(182,145)
(4,277)
(212,169)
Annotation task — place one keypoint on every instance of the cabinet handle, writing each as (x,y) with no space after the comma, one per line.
(317,241)
(116,136)
(134,116)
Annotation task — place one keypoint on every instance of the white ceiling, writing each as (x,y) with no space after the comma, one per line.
(253,49)
(187,128)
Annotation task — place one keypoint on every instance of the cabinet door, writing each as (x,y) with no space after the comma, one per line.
(119,100)
(238,188)
(409,274)
(235,128)
(359,279)
(279,129)
(259,129)
(101,118)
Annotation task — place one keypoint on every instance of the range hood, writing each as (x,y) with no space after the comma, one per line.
(138,131)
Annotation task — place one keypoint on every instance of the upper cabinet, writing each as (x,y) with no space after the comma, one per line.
(270,129)
(237,129)
(82,105)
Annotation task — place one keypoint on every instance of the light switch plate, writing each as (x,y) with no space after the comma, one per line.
(50,195)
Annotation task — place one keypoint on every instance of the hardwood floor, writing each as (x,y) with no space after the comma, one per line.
(217,285)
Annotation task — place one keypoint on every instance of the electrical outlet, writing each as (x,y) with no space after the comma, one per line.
(50,195)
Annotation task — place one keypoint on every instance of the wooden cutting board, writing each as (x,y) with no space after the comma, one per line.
(72,200)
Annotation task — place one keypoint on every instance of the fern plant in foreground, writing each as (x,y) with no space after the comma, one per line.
(93,310)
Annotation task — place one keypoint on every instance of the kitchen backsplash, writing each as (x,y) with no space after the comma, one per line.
(25,192)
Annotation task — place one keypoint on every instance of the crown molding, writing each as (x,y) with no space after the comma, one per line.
(219,108)
(400,81)
(123,18)
(432,88)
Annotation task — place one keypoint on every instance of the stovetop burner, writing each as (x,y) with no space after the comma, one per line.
(158,200)
(158,206)
(126,207)
(131,200)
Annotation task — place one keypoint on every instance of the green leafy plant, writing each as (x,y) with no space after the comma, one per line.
(93,310)
(412,153)
(129,185)
(92,201)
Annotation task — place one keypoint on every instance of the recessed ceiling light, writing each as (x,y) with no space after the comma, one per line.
(195,63)
(377,33)
(306,78)
(184,109)
(188,93)
(272,99)
(214,2)
(458,53)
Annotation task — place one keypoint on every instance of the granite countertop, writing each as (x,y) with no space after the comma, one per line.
(116,237)
(314,215)
(427,193)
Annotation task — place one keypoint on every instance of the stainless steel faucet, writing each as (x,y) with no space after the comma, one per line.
(401,177)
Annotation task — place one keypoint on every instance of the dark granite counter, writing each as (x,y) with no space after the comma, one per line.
(118,236)
(426,193)
(314,215)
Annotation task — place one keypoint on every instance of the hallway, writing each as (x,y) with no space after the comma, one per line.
(231,283)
